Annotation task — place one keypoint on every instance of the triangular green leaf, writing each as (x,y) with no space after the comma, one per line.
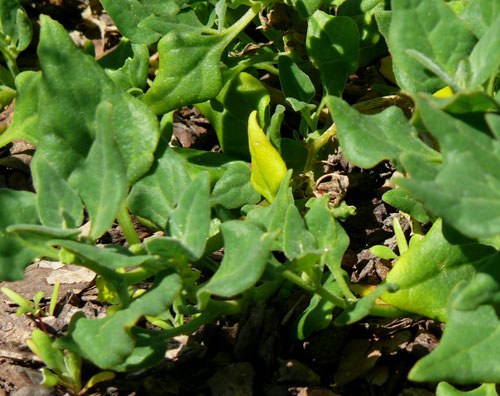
(190,220)
(246,253)
(108,342)
(370,139)
(333,46)
(429,270)
(418,25)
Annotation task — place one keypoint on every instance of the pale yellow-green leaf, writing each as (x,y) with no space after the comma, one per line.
(268,168)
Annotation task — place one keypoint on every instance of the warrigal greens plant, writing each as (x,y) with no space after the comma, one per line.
(270,77)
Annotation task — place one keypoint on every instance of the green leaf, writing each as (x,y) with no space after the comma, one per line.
(128,15)
(445,389)
(429,270)
(330,236)
(127,65)
(272,218)
(112,335)
(234,190)
(25,305)
(59,204)
(361,308)
(485,59)
(305,8)
(479,15)
(15,27)
(68,123)
(333,47)
(101,178)
(297,240)
(471,163)
(402,200)
(318,314)
(43,346)
(370,139)
(25,119)
(190,220)
(472,335)
(383,252)
(103,260)
(228,113)
(43,233)
(268,168)
(155,195)
(294,82)
(15,252)
(432,29)
(172,252)
(189,71)
(99,377)
(190,57)
(246,252)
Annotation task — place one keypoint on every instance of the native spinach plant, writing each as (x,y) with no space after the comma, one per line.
(102,131)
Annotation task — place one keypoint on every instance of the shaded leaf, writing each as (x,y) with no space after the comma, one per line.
(331,238)
(318,314)
(228,113)
(333,46)
(127,65)
(59,204)
(15,252)
(294,82)
(155,195)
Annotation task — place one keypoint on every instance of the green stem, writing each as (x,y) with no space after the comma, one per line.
(214,310)
(316,116)
(9,55)
(320,290)
(232,32)
(336,270)
(318,144)
(125,222)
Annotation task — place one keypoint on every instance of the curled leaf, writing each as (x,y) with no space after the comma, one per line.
(268,168)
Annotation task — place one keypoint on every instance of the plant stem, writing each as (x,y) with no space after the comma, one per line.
(317,145)
(215,309)
(232,32)
(320,290)
(125,222)
(339,278)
